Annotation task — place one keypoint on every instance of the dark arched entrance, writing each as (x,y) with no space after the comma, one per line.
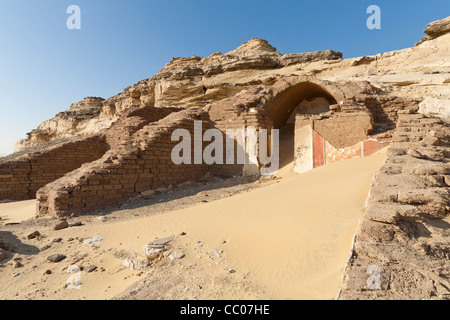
(304,97)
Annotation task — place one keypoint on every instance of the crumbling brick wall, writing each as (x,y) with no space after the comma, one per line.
(21,177)
(385,108)
(235,116)
(125,171)
(132,121)
(23,174)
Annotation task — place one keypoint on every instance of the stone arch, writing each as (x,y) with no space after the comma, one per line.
(289,92)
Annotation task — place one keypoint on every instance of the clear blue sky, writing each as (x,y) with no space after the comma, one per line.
(44,67)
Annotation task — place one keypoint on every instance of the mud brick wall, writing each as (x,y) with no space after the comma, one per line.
(385,108)
(20,178)
(15,180)
(124,172)
(134,120)
(401,248)
(232,119)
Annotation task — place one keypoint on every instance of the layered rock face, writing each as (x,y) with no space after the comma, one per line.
(436,29)
(81,118)
(416,73)
(183,82)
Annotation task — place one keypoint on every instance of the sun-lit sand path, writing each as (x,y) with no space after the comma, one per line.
(294,236)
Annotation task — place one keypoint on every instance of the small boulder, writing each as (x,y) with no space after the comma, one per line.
(148,194)
(62,225)
(33,235)
(46,247)
(177,255)
(90,268)
(155,248)
(55,258)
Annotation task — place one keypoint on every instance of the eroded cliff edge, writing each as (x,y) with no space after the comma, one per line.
(420,72)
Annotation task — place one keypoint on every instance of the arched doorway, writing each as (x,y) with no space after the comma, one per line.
(296,97)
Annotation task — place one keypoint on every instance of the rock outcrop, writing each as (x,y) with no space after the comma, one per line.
(436,29)
(81,118)
(420,72)
(183,82)
(402,248)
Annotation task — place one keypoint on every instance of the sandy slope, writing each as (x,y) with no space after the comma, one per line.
(292,237)
(14,212)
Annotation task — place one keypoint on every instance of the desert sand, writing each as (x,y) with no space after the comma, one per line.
(16,212)
(290,239)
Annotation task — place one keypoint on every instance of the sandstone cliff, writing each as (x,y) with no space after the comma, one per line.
(183,82)
(420,72)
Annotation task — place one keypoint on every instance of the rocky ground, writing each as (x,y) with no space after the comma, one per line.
(402,247)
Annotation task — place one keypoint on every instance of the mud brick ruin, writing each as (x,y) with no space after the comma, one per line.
(104,151)
(88,172)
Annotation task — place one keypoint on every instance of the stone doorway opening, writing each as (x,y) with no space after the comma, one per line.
(302,98)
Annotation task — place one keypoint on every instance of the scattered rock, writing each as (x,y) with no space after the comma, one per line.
(148,194)
(185,184)
(48,272)
(55,258)
(93,241)
(46,247)
(152,253)
(33,235)
(76,224)
(161,190)
(167,253)
(16,274)
(216,252)
(17,265)
(131,260)
(153,248)
(62,225)
(177,255)
(102,218)
(231,271)
(90,268)
(57,240)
